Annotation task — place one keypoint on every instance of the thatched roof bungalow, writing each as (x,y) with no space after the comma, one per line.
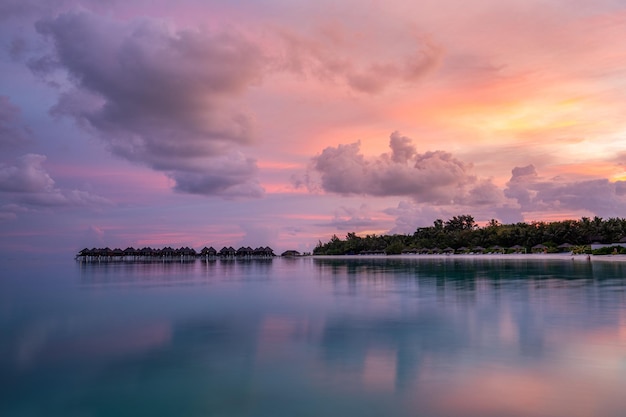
(227,252)
(208,251)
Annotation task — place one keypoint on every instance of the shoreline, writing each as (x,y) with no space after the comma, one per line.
(511,256)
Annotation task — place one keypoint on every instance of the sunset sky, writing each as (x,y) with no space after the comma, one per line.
(275,122)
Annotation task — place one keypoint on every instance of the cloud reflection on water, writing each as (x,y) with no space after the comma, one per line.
(330,337)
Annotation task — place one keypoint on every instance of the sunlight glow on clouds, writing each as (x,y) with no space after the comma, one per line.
(272,120)
(432,177)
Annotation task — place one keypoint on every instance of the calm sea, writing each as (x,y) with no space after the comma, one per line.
(314,337)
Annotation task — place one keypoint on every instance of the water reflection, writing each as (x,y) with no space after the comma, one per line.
(172,272)
(449,268)
(332,337)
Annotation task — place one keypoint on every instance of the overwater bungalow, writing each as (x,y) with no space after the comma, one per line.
(227,252)
(263,252)
(146,252)
(208,252)
(187,252)
(169,254)
(130,253)
(243,252)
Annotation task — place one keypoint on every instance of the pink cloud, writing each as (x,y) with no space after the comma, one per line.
(534,193)
(432,177)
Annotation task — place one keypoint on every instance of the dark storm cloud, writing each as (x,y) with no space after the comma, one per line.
(156,96)
(13,132)
(434,177)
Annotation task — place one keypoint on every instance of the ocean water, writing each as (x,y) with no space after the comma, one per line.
(314,337)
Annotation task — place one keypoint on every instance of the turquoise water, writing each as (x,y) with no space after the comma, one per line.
(314,337)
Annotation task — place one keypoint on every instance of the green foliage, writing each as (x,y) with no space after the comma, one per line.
(462,231)
(610,250)
(394,248)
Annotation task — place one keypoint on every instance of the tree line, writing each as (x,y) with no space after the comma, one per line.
(462,232)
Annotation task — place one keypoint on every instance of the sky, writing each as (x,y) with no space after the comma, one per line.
(274,122)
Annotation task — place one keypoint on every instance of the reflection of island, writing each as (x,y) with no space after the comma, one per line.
(423,358)
(426,353)
(441,337)
(462,272)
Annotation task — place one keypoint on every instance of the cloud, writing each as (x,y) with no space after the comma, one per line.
(409,216)
(227,176)
(12,132)
(28,183)
(534,193)
(447,184)
(6,215)
(351,219)
(435,177)
(17,48)
(256,235)
(157,96)
(27,176)
(333,55)
(15,8)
